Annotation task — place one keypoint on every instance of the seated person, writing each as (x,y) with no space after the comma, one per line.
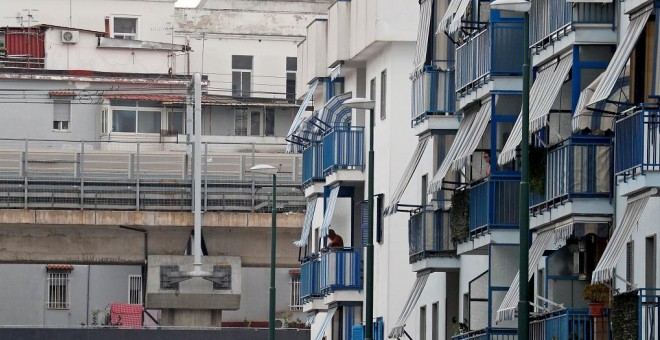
(336,242)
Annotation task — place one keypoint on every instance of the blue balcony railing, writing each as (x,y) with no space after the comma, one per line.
(489,334)
(551,20)
(309,279)
(433,92)
(427,237)
(568,324)
(494,51)
(312,169)
(637,142)
(343,148)
(648,313)
(341,270)
(494,204)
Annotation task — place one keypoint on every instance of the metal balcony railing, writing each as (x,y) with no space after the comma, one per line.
(551,20)
(309,279)
(568,324)
(494,204)
(489,334)
(343,148)
(493,51)
(427,237)
(433,92)
(341,269)
(636,142)
(648,313)
(312,169)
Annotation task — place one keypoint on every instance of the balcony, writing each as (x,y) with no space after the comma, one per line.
(433,92)
(578,169)
(343,149)
(489,334)
(494,51)
(340,270)
(312,169)
(569,324)
(309,279)
(494,204)
(554,19)
(430,242)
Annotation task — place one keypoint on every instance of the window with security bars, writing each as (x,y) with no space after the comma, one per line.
(291,68)
(240,122)
(58,290)
(61,114)
(295,303)
(630,263)
(135,289)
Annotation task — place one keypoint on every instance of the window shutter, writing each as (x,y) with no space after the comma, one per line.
(62,110)
(379,218)
(357,332)
(364,221)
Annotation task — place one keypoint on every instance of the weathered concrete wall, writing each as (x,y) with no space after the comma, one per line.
(148,334)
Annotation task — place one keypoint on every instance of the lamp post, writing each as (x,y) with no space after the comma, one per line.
(522,6)
(271,170)
(366,104)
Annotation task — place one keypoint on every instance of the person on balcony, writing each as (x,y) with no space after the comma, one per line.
(336,242)
(487,162)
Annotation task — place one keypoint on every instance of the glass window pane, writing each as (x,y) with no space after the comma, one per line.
(291,63)
(269,129)
(123,121)
(125,25)
(241,62)
(245,83)
(236,84)
(255,123)
(240,123)
(149,121)
(177,122)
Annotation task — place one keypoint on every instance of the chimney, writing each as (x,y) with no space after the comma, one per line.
(107,27)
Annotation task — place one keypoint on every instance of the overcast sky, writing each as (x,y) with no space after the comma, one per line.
(187,3)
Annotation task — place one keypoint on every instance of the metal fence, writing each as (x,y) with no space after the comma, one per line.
(489,334)
(569,324)
(341,270)
(433,91)
(343,148)
(636,142)
(309,279)
(494,204)
(312,160)
(428,237)
(142,176)
(648,317)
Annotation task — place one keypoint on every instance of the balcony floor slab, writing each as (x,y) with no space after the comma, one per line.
(579,206)
(478,244)
(436,122)
(497,83)
(314,189)
(581,34)
(343,296)
(315,304)
(650,179)
(443,264)
(340,176)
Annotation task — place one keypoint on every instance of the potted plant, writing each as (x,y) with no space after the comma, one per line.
(598,294)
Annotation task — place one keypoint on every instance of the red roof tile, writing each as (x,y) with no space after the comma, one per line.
(148,97)
(59,267)
(62,93)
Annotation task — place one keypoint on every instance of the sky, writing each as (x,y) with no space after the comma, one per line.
(186,3)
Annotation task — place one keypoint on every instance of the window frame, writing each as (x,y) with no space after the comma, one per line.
(62,125)
(383,94)
(290,81)
(136,109)
(239,90)
(58,293)
(294,293)
(119,35)
(138,293)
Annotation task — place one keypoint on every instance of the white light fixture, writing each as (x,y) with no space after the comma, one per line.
(264,169)
(359,103)
(520,6)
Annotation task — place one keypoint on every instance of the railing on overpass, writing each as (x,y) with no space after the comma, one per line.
(46,174)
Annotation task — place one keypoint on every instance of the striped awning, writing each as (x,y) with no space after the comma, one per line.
(334,113)
(474,137)
(326,322)
(305,133)
(621,56)
(300,115)
(591,1)
(413,297)
(615,247)
(307,223)
(331,202)
(581,226)
(451,21)
(425,8)
(457,148)
(407,175)
(510,303)
(542,95)
(601,116)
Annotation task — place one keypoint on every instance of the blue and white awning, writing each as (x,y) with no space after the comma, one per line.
(326,323)
(451,21)
(407,175)
(331,202)
(474,137)
(307,223)
(300,115)
(416,291)
(425,9)
(600,117)
(334,113)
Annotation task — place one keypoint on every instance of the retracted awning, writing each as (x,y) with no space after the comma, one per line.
(425,8)
(510,303)
(309,320)
(474,136)
(407,175)
(305,133)
(326,322)
(581,226)
(398,329)
(307,224)
(300,114)
(605,268)
(329,211)
(459,144)
(621,56)
(334,113)
(451,21)
(601,116)
(542,95)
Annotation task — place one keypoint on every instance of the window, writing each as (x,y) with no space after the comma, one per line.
(434,321)
(291,67)
(61,114)
(241,76)
(630,263)
(425,182)
(58,290)
(135,289)
(372,89)
(104,121)
(240,122)
(383,93)
(136,121)
(269,128)
(176,122)
(222,276)
(295,303)
(650,262)
(422,323)
(124,28)
(255,123)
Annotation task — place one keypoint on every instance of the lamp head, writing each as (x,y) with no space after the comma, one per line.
(359,103)
(519,6)
(264,169)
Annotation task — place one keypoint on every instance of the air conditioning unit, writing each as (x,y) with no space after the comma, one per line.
(70,37)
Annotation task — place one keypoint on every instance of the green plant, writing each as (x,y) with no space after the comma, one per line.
(624,316)
(596,292)
(459,217)
(95,317)
(537,166)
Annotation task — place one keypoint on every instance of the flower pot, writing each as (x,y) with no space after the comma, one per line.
(596,308)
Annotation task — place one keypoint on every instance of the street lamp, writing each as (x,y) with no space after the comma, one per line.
(271,170)
(366,104)
(522,6)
